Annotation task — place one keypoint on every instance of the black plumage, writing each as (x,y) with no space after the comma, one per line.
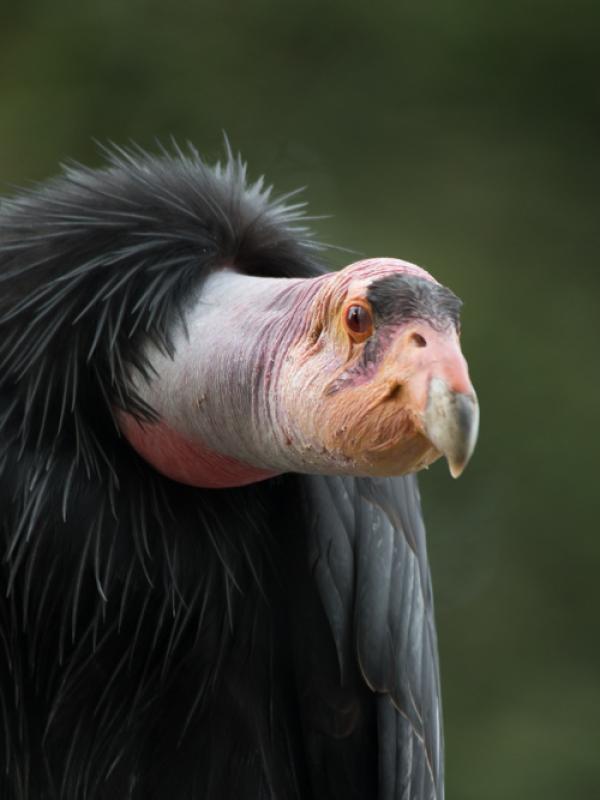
(159,640)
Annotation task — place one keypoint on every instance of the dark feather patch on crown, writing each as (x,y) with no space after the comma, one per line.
(400,298)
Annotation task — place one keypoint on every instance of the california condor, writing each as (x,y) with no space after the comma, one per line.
(214,578)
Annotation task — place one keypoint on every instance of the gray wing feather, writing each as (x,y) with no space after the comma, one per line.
(369,559)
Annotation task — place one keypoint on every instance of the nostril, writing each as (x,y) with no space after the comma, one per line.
(418,340)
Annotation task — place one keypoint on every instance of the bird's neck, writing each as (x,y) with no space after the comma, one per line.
(220,420)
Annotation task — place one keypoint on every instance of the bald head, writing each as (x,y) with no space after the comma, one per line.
(326,375)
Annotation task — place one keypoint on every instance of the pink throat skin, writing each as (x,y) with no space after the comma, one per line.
(187,462)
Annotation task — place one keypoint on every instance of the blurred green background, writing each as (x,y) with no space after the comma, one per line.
(463,136)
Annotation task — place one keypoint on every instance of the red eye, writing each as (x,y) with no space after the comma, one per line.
(358,322)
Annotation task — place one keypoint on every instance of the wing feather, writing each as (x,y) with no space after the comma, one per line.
(368,555)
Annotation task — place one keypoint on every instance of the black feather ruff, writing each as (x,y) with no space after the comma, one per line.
(137,635)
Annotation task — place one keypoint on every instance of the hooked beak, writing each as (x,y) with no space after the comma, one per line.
(451,423)
(441,392)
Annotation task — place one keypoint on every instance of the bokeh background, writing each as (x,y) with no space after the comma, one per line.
(461,135)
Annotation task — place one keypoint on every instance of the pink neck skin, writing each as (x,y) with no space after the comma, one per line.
(187,462)
(222,399)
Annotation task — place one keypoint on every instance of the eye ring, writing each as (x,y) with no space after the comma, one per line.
(358,321)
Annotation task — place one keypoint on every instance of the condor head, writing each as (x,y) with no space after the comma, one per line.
(356,372)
